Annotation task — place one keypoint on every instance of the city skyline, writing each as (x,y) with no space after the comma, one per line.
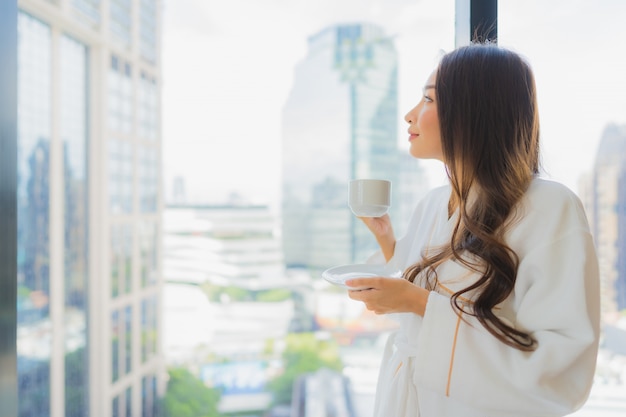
(222,107)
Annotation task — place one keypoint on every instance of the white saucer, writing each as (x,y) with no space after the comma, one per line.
(339,274)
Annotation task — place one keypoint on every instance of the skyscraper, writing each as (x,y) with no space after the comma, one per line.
(88,208)
(339,123)
(608,216)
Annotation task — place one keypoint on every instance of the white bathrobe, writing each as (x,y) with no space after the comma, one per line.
(444,365)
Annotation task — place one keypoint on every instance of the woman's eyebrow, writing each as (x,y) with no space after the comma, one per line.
(428,87)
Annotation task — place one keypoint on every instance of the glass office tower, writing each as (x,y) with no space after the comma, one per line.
(608,216)
(88,208)
(339,123)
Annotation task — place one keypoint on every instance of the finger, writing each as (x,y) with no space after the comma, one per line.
(352,283)
(357,284)
(356,295)
(369,283)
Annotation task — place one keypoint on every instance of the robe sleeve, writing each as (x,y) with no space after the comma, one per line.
(556,299)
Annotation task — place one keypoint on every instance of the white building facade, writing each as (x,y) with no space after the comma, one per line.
(228,245)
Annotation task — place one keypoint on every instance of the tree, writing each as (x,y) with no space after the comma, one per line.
(305,352)
(187,396)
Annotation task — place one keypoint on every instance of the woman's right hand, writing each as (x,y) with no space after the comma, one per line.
(383,231)
(379,226)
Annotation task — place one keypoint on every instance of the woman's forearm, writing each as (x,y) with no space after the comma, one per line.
(387,245)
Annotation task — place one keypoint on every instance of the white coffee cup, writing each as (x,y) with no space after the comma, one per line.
(369,197)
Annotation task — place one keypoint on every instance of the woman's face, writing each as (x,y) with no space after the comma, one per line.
(425,137)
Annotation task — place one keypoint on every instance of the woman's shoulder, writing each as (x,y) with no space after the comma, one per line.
(540,184)
(545,192)
(548,213)
(549,202)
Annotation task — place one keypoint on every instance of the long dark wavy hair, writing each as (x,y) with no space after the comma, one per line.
(488,117)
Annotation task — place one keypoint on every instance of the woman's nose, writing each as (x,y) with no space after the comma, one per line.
(410,116)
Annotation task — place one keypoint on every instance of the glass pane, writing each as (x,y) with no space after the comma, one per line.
(148,108)
(120,176)
(149,247)
(115,345)
(148,397)
(121,259)
(128,340)
(73,117)
(147,29)
(260,142)
(34,335)
(115,407)
(148,328)
(120,96)
(120,22)
(149,179)
(129,402)
(90,9)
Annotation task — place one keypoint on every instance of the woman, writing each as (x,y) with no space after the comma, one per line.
(499,308)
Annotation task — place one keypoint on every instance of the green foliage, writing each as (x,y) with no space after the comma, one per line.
(237,294)
(271,296)
(216,292)
(304,353)
(23,292)
(187,396)
(269,347)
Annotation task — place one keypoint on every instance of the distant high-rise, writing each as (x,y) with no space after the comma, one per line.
(179,195)
(607,213)
(339,123)
(89,205)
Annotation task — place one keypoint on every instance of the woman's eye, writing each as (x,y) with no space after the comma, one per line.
(427,99)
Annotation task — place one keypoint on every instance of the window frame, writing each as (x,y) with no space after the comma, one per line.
(8,208)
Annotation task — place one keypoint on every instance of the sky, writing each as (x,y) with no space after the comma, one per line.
(227,69)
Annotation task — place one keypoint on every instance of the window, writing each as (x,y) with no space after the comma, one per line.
(148,108)
(121,21)
(121,162)
(121,258)
(89,9)
(78,250)
(147,30)
(120,96)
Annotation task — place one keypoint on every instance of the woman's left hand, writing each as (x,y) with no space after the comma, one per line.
(389,295)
